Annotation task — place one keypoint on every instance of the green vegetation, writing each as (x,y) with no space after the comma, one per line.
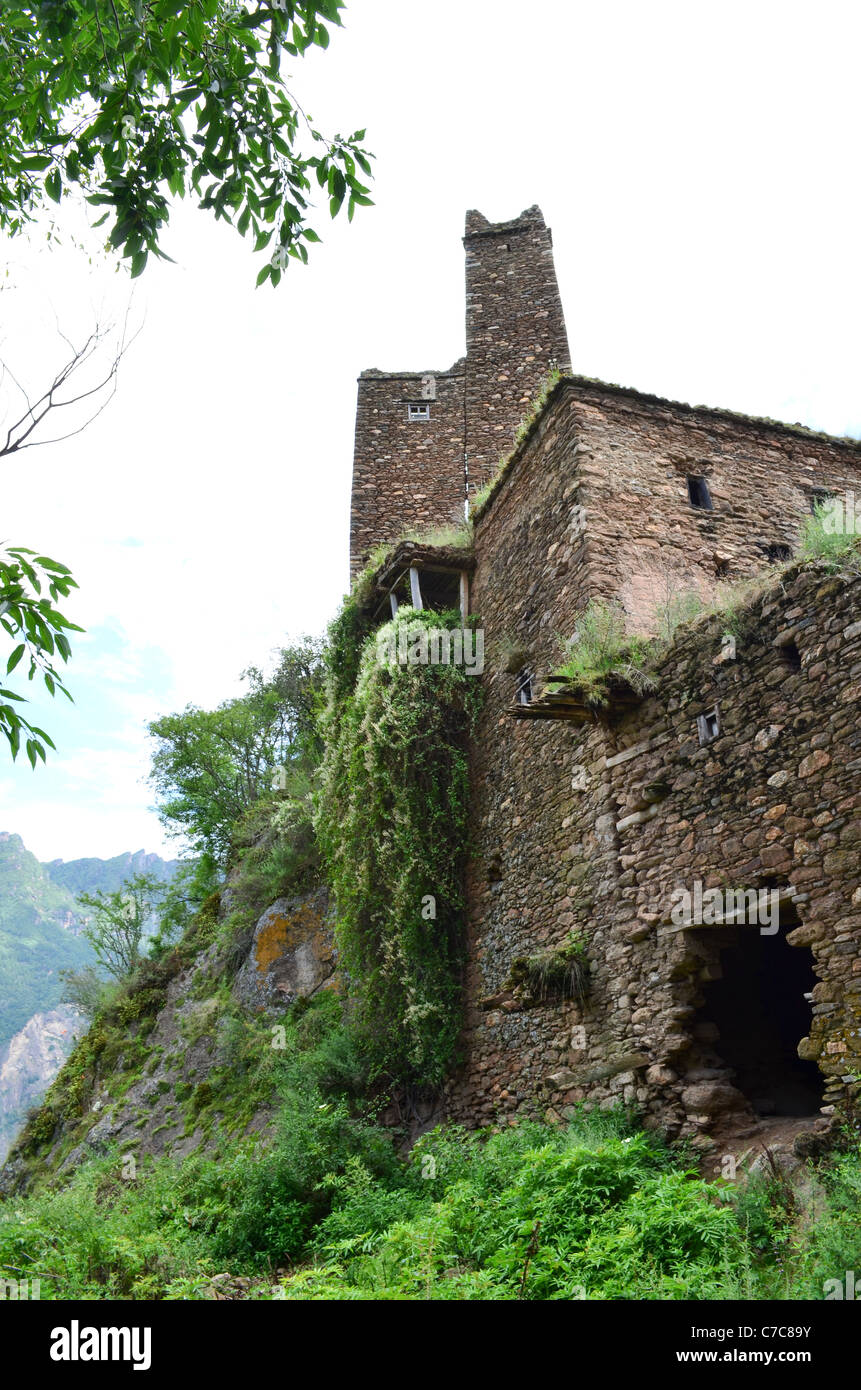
(115,930)
(129,101)
(277,848)
(825,540)
(451,537)
(392,829)
(36,630)
(114,1052)
(597,1210)
(210,767)
(34,942)
(145,916)
(563,971)
(831,535)
(601,651)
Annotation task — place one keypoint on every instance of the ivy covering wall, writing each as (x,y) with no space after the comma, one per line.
(392,825)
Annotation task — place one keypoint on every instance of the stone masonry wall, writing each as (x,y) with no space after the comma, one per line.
(772,801)
(411,475)
(515,328)
(536,873)
(407,475)
(634,455)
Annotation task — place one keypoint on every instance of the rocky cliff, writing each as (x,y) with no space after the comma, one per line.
(183,1062)
(30,1061)
(39,937)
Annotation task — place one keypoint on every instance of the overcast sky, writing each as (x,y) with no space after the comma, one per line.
(697,163)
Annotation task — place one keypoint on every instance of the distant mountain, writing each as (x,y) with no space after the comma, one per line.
(89,875)
(39,923)
(37,938)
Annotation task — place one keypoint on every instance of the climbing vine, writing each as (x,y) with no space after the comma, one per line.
(392,823)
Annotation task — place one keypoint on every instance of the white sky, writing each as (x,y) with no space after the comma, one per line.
(698,166)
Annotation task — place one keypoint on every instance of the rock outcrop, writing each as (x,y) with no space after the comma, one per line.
(29,1063)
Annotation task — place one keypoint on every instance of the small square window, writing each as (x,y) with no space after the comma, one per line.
(708,726)
(698,492)
(419,411)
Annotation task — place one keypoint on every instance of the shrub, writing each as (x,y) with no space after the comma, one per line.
(830,535)
(601,650)
(562,971)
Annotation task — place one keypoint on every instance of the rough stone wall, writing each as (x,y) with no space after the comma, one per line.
(773,800)
(408,475)
(515,328)
(634,455)
(411,475)
(536,874)
(588,829)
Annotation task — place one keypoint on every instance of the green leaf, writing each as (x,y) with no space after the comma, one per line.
(15,658)
(53,565)
(53,185)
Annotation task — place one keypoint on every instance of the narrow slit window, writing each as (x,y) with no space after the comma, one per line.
(523,692)
(698,492)
(420,410)
(708,726)
(790,656)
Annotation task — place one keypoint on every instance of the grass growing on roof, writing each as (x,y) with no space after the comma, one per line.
(601,651)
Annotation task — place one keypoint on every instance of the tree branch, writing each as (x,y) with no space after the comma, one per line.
(20,432)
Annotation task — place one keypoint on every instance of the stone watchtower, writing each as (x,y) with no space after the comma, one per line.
(427,440)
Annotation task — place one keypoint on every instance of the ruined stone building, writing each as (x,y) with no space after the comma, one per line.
(739,771)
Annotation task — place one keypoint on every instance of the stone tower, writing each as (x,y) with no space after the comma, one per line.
(515,330)
(426,440)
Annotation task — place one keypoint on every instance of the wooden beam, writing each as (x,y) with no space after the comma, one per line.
(415,591)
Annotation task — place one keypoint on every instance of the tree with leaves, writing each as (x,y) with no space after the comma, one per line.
(210,766)
(37,630)
(119,922)
(131,101)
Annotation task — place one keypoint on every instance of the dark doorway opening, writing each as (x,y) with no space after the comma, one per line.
(759,1008)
